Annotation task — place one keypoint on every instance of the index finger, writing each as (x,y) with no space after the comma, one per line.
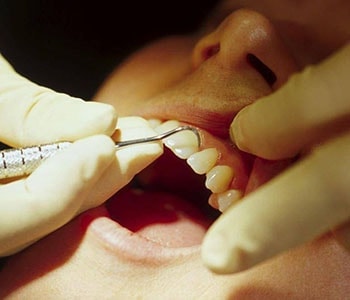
(32,114)
(308,108)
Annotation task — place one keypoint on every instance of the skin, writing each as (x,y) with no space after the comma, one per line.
(180,77)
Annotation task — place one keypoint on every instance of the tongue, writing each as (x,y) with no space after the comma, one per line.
(163,218)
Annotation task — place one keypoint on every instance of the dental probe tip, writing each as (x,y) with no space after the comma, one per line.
(160,136)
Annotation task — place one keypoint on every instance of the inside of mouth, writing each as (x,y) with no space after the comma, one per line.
(166,203)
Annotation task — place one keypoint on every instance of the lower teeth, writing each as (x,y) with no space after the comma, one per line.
(219,178)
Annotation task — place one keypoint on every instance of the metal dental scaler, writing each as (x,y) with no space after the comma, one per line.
(18,162)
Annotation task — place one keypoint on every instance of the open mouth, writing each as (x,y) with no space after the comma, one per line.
(176,199)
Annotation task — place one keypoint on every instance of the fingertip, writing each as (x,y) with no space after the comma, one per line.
(62,117)
(99,143)
(5,65)
(103,117)
(214,253)
(98,152)
(250,132)
(237,135)
(248,136)
(135,158)
(219,257)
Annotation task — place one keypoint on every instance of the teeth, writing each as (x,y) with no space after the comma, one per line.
(203,161)
(224,200)
(166,126)
(183,144)
(219,178)
(154,123)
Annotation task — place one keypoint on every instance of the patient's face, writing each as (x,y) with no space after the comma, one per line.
(145,241)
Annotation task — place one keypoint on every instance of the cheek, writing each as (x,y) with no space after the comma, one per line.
(147,73)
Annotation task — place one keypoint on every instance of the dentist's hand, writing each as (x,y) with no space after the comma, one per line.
(74,180)
(310,114)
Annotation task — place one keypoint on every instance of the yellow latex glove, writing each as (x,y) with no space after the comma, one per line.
(312,111)
(76,179)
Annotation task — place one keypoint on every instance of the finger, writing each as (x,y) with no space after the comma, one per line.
(304,202)
(309,107)
(33,207)
(5,65)
(129,161)
(32,114)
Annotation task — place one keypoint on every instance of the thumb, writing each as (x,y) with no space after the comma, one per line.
(32,207)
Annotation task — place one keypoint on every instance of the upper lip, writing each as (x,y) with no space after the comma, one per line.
(215,119)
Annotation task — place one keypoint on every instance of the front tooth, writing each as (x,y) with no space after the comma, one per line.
(219,178)
(183,144)
(226,199)
(154,123)
(166,126)
(201,162)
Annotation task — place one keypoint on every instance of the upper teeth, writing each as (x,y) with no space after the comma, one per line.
(219,178)
(225,200)
(202,161)
(185,145)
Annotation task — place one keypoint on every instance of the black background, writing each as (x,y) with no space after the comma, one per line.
(71,46)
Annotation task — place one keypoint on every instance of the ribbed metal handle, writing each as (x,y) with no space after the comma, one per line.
(23,161)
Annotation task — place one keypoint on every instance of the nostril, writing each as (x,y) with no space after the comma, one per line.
(269,76)
(210,51)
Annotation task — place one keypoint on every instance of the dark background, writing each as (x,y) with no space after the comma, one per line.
(71,46)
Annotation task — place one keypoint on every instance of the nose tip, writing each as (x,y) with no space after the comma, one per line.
(247,39)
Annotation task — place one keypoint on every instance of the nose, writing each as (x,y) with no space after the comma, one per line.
(247,40)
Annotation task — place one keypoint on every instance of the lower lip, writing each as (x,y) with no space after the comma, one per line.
(132,246)
(126,244)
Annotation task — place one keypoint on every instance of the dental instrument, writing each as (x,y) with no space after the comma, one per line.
(17,162)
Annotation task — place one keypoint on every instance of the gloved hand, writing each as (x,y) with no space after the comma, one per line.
(309,115)
(76,179)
